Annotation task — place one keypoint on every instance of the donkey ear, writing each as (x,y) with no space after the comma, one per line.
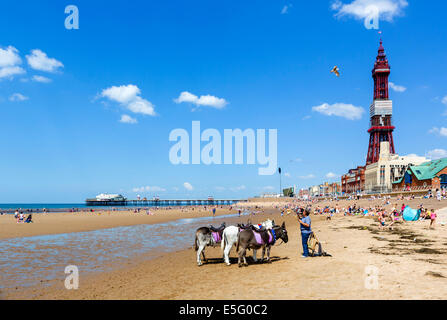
(283,224)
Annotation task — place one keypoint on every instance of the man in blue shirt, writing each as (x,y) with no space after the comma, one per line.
(306,231)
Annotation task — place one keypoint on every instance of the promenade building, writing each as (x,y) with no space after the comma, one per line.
(314,191)
(303,194)
(379,176)
(430,175)
(353,181)
(325,190)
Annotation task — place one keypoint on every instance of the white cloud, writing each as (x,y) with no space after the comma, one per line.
(309,176)
(38,60)
(188,186)
(121,94)
(149,189)
(9,57)
(441,131)
(444,100)
(143,106)
(18,97)
(361,9)
(437,154)
(9,63)
(347,111)
(268,188)
(128,119)
(332,175)
(287,174)
(397,88)
(239,188)
(129,97)
(41,79)
(220,189)
(413,155)
(297,160)
(9,72)
(208,100)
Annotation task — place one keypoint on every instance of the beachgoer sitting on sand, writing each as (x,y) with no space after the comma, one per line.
(29,219)
(20,217)
(396,215)
(382,221)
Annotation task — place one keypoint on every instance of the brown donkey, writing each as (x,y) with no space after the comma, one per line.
(265,239)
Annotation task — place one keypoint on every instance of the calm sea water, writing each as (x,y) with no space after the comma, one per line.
(42,205)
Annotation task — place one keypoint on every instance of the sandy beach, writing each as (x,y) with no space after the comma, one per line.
(410,261)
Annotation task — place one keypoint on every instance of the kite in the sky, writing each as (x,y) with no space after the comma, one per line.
(335,70)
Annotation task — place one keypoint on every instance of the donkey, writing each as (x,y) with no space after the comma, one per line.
(251,239)
(207,236)
(230,237)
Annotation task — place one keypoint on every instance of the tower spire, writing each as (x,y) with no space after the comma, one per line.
(380,74)
(381,110)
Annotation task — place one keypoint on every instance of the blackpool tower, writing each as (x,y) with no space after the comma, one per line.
(381,110)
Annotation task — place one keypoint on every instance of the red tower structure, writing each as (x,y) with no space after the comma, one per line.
(381,110)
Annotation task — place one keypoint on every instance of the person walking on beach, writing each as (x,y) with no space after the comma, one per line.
(214,212)
(306,231)
(432,219)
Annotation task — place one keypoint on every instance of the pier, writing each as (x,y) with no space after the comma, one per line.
(160,203)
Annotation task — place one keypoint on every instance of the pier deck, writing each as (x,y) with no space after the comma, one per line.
(161,203)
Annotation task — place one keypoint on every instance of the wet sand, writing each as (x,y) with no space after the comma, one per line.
(411,262)
(66,222)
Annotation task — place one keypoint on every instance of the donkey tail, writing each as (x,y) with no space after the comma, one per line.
(196,246)
(238,241)
(223,243)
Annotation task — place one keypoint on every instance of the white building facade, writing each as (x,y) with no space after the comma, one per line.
(379,176)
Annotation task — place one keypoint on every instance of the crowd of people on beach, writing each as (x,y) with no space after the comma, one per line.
(20,217)
(382,215)
(385,217)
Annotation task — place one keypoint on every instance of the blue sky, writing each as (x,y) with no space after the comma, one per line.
(269,61)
